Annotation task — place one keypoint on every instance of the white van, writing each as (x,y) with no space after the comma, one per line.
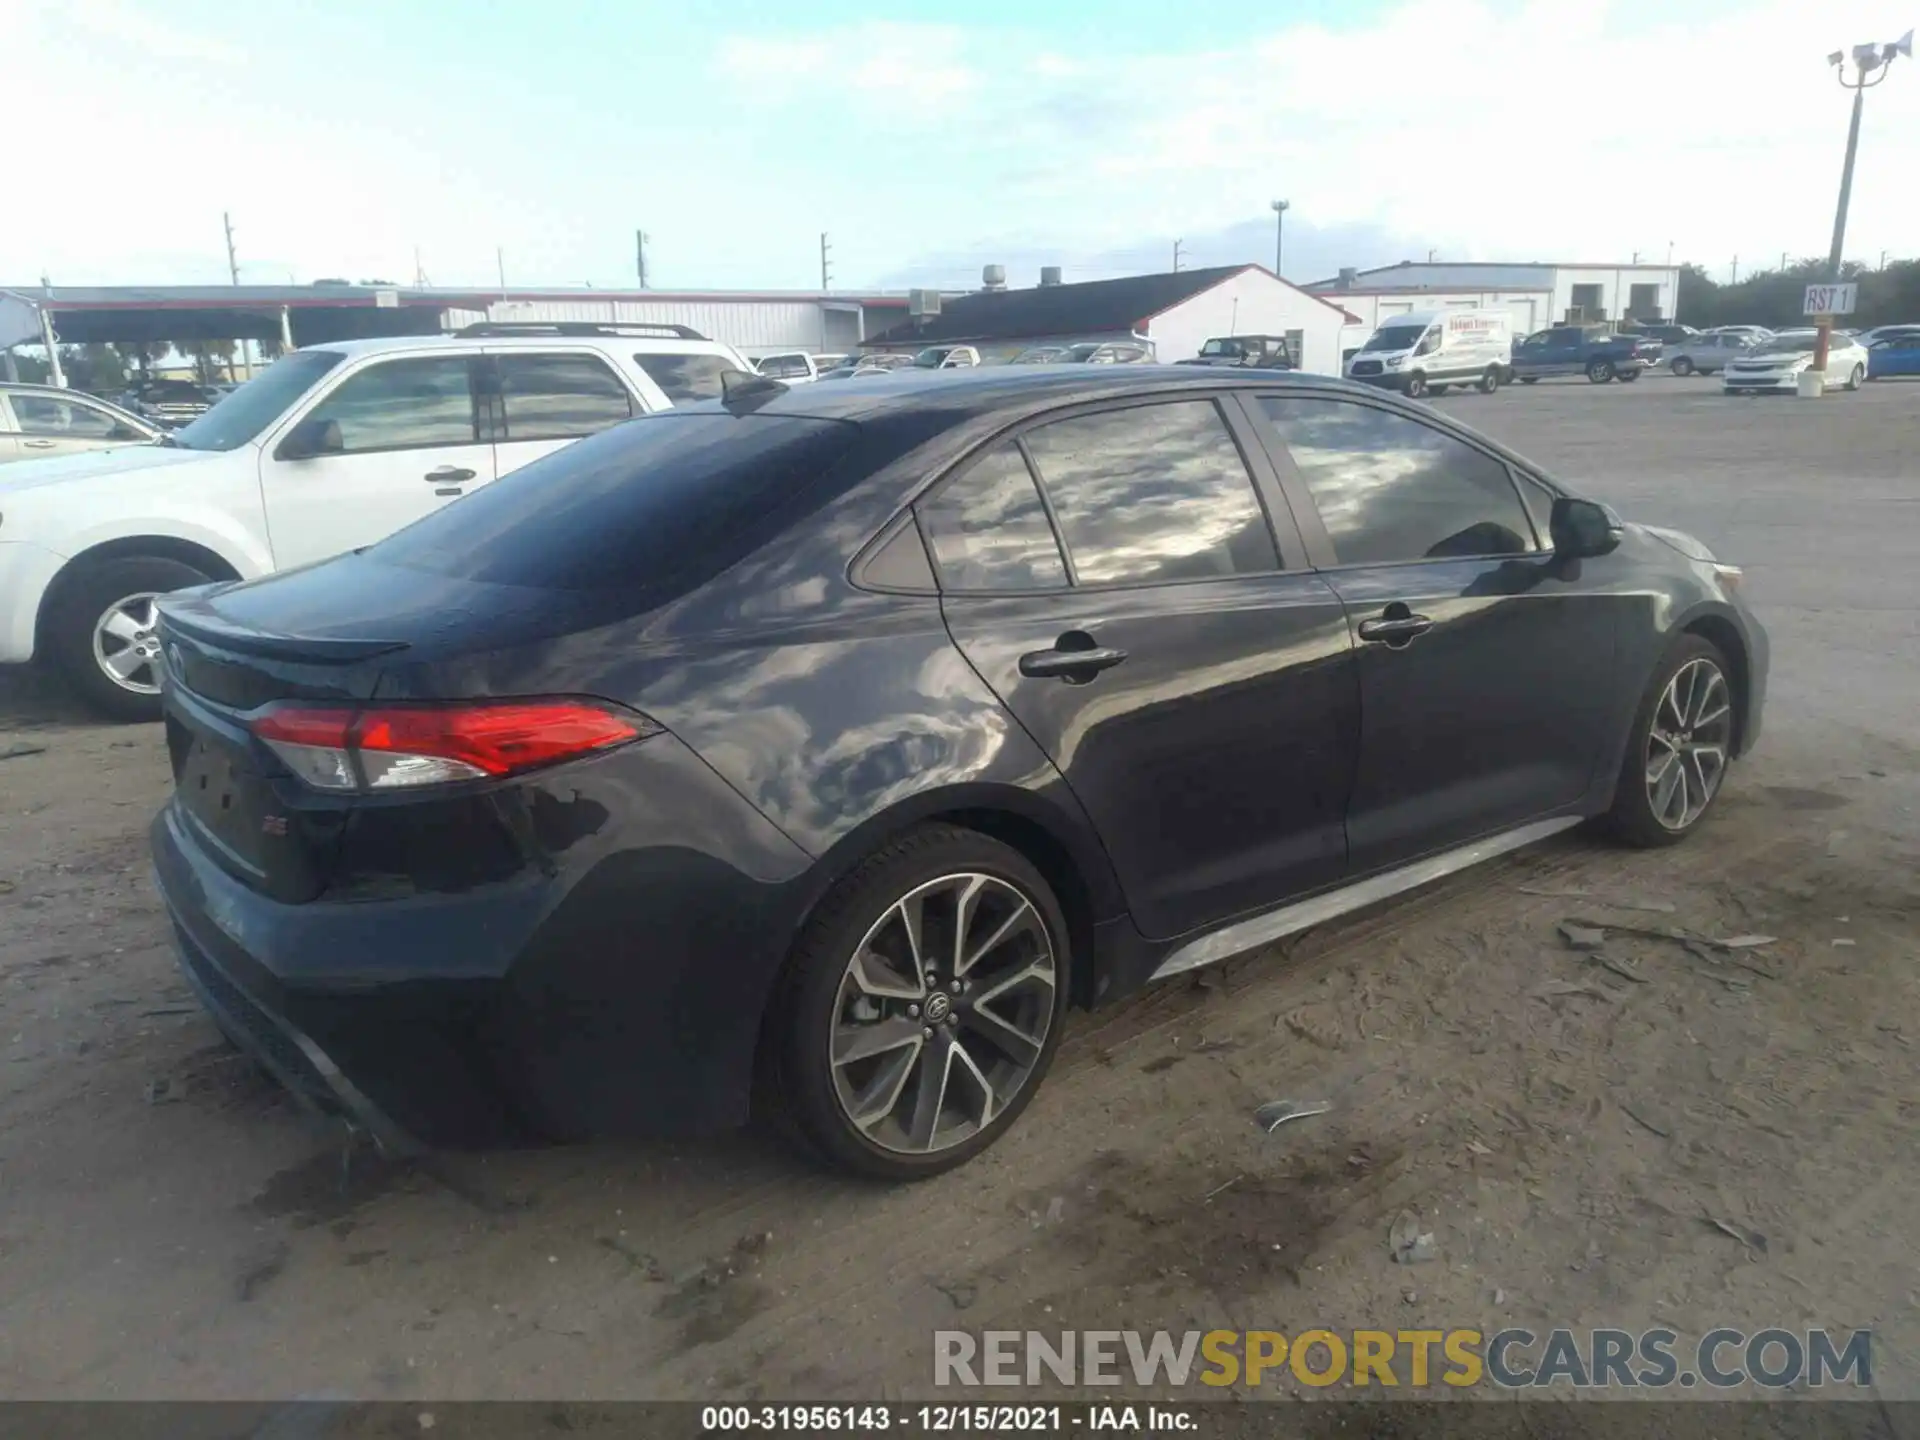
(1424,353)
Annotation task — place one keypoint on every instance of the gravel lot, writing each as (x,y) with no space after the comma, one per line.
(170,1227)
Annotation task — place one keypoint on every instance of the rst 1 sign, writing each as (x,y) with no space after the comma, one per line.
(1830,299)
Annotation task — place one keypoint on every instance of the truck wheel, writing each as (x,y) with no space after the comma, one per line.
(1682,365)
(1416,385)
(1490,381)
(1599,371)
(101,632)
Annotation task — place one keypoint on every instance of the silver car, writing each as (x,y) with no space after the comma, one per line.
(42,420)
(1708,354)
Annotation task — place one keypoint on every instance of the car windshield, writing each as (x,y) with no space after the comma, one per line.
(1221,347)
(1395,337)
(1790,344)
(242,415)
(630,508)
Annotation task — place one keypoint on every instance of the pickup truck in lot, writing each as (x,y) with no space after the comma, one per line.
(1590,350)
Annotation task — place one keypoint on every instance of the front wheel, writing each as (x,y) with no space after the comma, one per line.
(102,632)
(1490,381)
(1855,376)
(1679,748)
(921,1007)
(1416,386)
(1600,371)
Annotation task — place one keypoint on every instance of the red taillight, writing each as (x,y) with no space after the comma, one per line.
(392,747)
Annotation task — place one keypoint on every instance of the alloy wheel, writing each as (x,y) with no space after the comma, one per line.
(126,644)
(942,1013)
(1687,744)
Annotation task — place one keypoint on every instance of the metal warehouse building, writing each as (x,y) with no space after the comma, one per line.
(754,322)
(1536,294)
(1173,313)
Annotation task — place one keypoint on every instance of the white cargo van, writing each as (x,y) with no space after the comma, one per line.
(1425,352)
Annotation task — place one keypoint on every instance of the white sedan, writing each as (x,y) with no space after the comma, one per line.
(1777,363)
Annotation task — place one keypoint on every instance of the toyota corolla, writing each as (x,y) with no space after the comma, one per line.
(820,749)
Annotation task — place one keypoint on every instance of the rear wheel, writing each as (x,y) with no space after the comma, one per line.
(921,1007)
(1599,371)
(102,633)
(1490,381)
(1679,749)
(1682,366)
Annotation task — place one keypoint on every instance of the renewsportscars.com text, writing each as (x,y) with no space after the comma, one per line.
(1415,1359)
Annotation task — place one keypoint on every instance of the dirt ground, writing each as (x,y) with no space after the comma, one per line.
(1569,1128)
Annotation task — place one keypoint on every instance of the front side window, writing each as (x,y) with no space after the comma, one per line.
(64,419)
(403,405)
(989,531)
(558,397)
(1390,489)
(1152,493)
(687,378)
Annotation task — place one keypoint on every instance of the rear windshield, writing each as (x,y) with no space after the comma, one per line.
(629,508)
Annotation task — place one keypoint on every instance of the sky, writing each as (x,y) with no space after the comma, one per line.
(377,139)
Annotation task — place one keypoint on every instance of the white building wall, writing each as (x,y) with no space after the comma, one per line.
(1251,303)
(1616,284)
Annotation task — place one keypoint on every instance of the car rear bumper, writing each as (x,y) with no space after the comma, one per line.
(615,988)
(26,570)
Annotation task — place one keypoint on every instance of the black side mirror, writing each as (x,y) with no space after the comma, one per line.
(310,438)
(1583,528)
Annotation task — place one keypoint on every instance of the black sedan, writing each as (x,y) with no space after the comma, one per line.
(820,747)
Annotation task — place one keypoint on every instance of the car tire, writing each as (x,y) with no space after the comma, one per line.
(82,638)
(1689,696)
(817,1010)
(1416,386)
(1599,371)
(1683,366)
(1529,379)
(1855,376)
(1490,380)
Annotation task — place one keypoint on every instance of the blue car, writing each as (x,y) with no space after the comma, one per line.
(1896,354)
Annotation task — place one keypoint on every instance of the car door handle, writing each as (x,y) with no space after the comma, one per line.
(1071,665)
(37,444)
(1392,628)
(447,475)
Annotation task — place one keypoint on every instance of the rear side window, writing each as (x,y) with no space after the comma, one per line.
(558,397)
(629,509)
(686,378)
(1152,493)
(989,530)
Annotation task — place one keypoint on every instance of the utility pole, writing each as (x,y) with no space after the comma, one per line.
(1783,261)
(1636,258)
(1669,252)
(640,255)
(826,269)
(500,263)
(1871,65)
(1736,271)
(1176,257)
(1279,208)
(233,265)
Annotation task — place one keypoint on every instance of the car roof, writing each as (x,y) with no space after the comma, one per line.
(987,388)
(647,344)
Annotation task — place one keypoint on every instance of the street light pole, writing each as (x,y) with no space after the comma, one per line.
(1871,63)
(1279,231)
